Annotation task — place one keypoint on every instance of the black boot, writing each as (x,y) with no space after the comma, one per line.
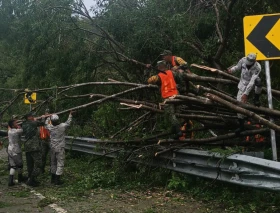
(22,178)
(32,182)
(57,180)
(53,178)
(11,180)
(256,100)
(241,126)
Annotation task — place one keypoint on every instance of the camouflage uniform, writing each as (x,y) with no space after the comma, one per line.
(171,109)
(32,147)
(2,133)
(57,136)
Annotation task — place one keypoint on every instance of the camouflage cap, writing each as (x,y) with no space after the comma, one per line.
(166,52)
(29,114)
(251,58)
(159,63)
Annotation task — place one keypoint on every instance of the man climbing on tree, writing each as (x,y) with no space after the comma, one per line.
(32,148)
(173,63)
(165,79)
(57,136)
(250,70)
(178,64)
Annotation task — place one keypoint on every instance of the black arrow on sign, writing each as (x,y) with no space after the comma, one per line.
(258,39)
(29,97)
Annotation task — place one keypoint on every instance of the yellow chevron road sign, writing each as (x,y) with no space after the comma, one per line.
(262,36)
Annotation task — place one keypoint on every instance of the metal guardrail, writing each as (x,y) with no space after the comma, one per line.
(236,169)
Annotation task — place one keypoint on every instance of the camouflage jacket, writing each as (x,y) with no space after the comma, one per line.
(31,135)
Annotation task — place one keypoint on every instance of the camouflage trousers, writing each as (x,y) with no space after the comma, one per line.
(57,161)
(34,163)
(174,123)
(45,148)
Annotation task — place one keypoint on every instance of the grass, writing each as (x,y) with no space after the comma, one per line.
(81,177)
(4,204)
(24,193)
(45,202)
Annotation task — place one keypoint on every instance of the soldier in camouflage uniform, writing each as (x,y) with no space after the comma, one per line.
(32,148)
(174,63)
(167,80)
(57,136)
(250,70)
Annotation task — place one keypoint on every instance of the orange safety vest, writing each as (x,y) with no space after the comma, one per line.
(258,138)
(184,128)
(173,61)
(44,133)
(168,84)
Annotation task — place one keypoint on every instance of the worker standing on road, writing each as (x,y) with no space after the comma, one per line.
(14,152)
(250,70)
(32,148)
(57,137)
(166,80)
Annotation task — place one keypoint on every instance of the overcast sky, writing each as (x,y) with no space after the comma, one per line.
(89,3)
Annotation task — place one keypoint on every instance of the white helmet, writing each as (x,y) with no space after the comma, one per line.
(54,117)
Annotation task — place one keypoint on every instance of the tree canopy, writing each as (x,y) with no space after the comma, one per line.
(53,43)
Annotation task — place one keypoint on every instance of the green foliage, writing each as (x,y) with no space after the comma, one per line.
(4,204)
(82,176)
(23,193)
(176,182)
(43,45)
(44,202)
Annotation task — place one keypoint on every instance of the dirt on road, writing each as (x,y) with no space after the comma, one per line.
(20,198)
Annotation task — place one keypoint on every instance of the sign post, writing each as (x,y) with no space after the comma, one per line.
(262,36)
(270,105)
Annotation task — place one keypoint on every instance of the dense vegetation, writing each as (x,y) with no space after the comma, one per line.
(51,43)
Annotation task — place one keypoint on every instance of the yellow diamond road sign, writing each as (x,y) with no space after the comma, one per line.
(262,36)
(30,98)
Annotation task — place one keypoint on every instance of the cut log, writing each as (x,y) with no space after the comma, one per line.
(227,75)
(246,112)
(263,110)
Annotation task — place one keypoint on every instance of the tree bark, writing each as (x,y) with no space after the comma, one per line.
(246,112)
(263,110)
